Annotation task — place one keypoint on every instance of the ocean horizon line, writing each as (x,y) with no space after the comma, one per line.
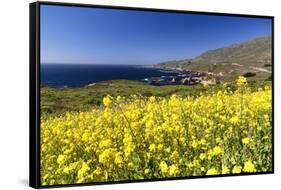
(97,64)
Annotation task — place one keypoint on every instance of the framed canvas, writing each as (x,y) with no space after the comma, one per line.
(122,94)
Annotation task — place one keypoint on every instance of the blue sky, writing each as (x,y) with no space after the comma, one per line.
(106,36)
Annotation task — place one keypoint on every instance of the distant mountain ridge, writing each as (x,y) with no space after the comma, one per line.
(253,56)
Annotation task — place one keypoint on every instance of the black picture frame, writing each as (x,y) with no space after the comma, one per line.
(34,90)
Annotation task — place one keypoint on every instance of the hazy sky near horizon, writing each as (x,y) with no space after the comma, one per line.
(106,36)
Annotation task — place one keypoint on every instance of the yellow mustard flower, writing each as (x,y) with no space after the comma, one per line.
(173,170)
(217,150)
(212,171)
(146,171)
(249,167)
(236,169)
(107,101)
(246,140)
(241,81)
(164,167)
(225,170)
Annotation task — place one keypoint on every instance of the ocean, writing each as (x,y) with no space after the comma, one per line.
(78,75)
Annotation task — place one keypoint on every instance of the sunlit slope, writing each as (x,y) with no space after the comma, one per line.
(143,138)
(253,56)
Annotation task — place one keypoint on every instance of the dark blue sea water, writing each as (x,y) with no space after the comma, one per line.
(77,75)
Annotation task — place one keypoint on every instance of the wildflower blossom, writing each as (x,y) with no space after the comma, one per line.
(107,101)
(246,140)
(139,137)
(236,169)
(241,81)
(212,171)
(249,167)
(164,167)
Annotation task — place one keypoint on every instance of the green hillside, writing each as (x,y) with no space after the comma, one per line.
(251,58)
(59,100)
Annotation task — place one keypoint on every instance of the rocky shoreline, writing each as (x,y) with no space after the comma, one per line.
(182,78)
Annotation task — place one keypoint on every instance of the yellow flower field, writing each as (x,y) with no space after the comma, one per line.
(226,132)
